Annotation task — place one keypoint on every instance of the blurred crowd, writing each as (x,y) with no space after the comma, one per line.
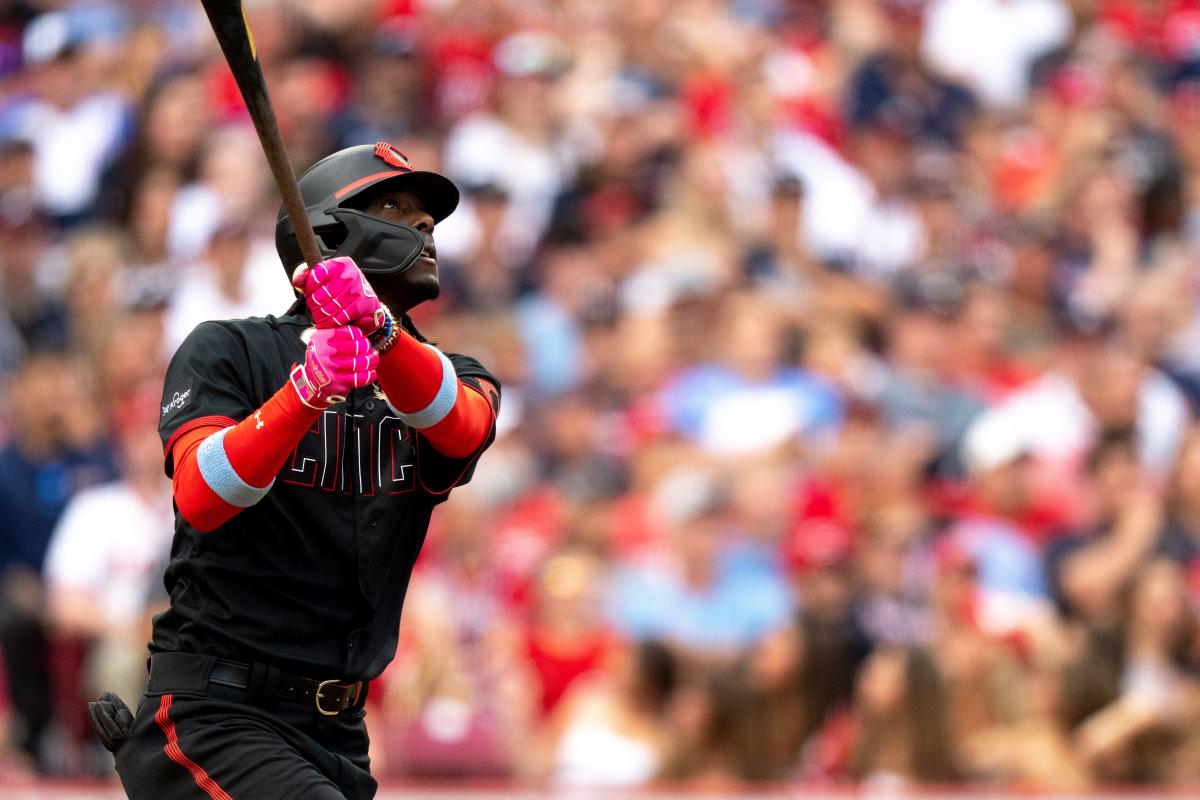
(851,364)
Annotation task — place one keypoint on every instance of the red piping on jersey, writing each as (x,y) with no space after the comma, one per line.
(175,753)
(349,187)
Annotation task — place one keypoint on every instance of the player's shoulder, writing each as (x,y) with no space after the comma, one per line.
(469,366)
(268,325)
(251,330)
(473,373)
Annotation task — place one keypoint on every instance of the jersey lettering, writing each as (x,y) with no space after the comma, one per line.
(348,453)
(394,473)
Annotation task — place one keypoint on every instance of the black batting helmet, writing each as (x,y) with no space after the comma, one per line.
(378,246)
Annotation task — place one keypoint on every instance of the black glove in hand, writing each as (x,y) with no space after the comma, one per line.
(112,720)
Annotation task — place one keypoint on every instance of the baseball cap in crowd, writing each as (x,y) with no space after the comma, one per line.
(397,37)
(56,34)
(1185,87)
(146,289)
(993,441)
(817,543)
(532,54)
(689,494)
(938,292)
(789,186)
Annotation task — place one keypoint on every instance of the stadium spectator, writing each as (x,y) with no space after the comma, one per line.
(55,449)
(902,732)
(715,593)
(102,562)
(612,731)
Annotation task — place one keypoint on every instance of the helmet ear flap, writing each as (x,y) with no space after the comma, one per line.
(330,238)
(378,246)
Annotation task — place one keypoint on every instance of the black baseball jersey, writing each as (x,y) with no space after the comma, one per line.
(312,578)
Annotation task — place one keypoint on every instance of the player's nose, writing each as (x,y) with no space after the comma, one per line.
(423,222)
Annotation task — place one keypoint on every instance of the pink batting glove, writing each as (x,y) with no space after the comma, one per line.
(338,294)
(338,360)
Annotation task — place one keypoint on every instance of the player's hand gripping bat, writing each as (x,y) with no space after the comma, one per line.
(229,23)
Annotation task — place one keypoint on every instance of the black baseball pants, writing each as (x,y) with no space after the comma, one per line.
(192,740)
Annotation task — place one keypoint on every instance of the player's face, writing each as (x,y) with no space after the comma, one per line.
(420,281)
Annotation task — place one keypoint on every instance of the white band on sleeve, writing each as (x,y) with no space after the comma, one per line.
(220,475)
(442,402)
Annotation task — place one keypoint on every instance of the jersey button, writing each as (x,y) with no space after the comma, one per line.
(370,405)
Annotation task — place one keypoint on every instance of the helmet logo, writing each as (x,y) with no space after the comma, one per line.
(392,155)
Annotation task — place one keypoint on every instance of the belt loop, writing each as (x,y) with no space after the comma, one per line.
(261,682)
(361,699)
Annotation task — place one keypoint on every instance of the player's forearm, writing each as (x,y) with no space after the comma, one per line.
(420,384)
(219,471)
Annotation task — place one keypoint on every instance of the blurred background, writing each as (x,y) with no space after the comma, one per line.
(851,362)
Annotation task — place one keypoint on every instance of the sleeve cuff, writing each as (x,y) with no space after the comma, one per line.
(220,475)
(442,403)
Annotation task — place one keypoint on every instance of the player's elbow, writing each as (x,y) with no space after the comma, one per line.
(207,491)
(465,429)
(199,506)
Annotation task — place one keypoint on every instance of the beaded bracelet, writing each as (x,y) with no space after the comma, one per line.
(383,331)
(391,333)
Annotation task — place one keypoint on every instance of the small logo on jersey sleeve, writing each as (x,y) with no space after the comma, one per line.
(176,399)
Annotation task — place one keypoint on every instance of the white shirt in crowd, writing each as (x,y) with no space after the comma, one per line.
(71,148)
(593,753)
(844,218)
(111,543)
(265,290)
(483,150)
(1049,420)
(990,45)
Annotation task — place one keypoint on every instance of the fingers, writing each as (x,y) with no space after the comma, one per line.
(340,270)
(346,350)
(339,360)
(300,278)
(343,310)
(339,294)
(348,339)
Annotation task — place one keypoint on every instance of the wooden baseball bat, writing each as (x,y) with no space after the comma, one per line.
(229,23)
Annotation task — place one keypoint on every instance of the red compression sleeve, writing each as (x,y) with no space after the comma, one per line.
(200,506)
(256,449)
(259,445)
(466,427)
(410,374)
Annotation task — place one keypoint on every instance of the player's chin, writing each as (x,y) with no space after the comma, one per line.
(422,279)
(425,288)
(406,289)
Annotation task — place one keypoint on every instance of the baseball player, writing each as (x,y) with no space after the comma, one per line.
(307,452)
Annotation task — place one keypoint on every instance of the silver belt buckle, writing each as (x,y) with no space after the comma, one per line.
(317,699)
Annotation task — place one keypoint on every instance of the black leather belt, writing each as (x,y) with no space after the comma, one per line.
(330,697)
(195,673)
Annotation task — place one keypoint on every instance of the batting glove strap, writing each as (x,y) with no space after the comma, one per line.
(309,394)
(220,475)
(442,402)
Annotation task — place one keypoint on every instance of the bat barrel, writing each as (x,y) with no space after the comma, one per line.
(229,23)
